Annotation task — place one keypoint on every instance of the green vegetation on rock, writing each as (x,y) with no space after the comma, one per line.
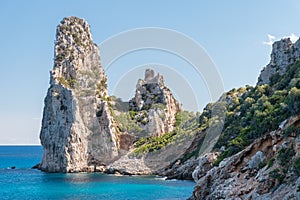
(285,156)
(271,162)
(149,144)
(259,110)
(296,166)
(70,82)
(276,174)
(186,123)
(127,124)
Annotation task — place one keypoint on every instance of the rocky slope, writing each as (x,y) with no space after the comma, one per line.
(261,171)
(259,155)
(77,127)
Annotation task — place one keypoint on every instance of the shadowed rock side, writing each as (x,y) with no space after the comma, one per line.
(77,129)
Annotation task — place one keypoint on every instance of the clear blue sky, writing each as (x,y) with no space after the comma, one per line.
(232,33)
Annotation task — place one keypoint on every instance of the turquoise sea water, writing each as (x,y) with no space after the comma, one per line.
(26,183)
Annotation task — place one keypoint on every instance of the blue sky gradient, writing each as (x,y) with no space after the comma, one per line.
(232,33)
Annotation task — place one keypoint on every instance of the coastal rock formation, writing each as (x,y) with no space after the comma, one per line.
(154,97)
(256,156)
(284,53)
(83,128)
(77,128)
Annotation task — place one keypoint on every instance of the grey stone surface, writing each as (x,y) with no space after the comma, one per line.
(255,160)
(240,177)
(156,98)
(284,53)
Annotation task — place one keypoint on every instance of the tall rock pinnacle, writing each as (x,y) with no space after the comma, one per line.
(77,127)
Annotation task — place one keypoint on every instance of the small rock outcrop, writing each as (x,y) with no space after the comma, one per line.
(284,53)
(152,113)
(205,163)
(77,128)
(154,97)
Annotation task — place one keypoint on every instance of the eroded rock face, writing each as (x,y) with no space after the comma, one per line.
(247,175)
(153,96)
(284,53)
(77,127)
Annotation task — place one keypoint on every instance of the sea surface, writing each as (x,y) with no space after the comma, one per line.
(26,183)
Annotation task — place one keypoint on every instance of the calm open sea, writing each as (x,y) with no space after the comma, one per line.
(26,183)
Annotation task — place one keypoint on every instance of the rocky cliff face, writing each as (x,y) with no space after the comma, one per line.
(284,53)
(259,144)
(77,128)
(154,97)
(248,175)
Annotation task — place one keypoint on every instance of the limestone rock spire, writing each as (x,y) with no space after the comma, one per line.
(77,129)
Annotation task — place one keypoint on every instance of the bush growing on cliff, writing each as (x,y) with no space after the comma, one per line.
(291,130)
(132,114)
(158,106)
(70,82)
(288,80)
(276,174)
(285,156)
(271,162)
(293,100)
